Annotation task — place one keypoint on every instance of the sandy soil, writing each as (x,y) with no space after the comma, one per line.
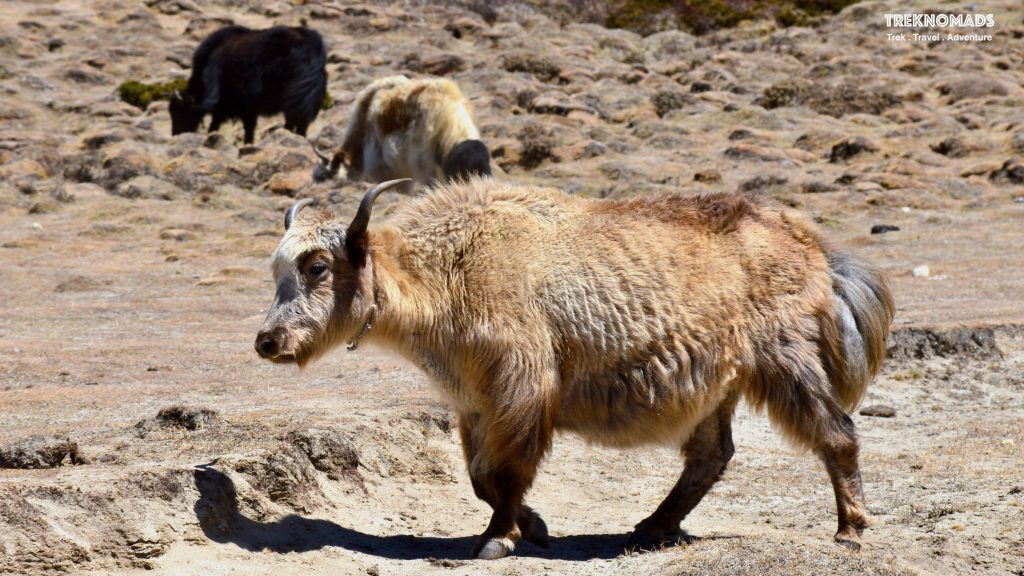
(133,277)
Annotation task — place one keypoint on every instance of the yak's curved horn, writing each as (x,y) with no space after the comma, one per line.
(319,154)
(362,218)
(292,212)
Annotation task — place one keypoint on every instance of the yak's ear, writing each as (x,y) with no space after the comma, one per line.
(355,235)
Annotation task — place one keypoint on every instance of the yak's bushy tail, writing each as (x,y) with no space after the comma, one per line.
(305,95)
(864,310)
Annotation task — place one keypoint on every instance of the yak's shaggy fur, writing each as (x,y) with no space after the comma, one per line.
(402,128)
(627,322)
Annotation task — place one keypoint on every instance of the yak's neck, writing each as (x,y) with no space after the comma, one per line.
(411,305)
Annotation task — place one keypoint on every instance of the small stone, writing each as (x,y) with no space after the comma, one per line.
(698,87)
(708,176)
(99,140)
(463,27)
(1012,171)
(951,148)
(884,228)
(761,183)
(177,234)
(554,103)
(851,147)
(216,141)
(383,23)
(187,417)
(740,134)
(436,64)
(592,150)
(878,411)
(921,271)
(745,151)
(818,187)
(1017,142)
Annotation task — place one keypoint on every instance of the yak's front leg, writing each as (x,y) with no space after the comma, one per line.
(503,448)
(485,485)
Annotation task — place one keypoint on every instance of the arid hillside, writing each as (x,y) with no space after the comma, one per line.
(139,432)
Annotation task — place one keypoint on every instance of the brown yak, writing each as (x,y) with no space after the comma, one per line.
(627,322)
(400,128)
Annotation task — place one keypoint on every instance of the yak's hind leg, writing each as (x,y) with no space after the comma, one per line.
(486,485)
(801,402)
(707,453)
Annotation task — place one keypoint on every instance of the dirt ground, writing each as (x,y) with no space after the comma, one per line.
(134,276)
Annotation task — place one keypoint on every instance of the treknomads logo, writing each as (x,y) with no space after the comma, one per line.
(923,23)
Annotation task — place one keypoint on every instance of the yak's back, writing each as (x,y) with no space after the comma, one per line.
(486,203)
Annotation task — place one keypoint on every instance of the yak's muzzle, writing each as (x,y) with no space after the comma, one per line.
(272,345)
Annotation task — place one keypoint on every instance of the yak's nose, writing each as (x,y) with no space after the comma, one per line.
(266,345)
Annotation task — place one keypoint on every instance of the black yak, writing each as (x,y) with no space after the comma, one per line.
(242,73)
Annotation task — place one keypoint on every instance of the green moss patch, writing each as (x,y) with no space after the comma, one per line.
(141,94)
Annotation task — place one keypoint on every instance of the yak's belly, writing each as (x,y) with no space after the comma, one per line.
(624,411)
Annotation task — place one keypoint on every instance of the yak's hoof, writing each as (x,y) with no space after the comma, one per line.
(848,542)
(646,539)
(534,530)
(495,548)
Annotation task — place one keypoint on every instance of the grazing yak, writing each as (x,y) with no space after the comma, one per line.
(402,128)
(242,73)
(627,322)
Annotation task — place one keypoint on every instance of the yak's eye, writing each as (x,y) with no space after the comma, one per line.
(317,269)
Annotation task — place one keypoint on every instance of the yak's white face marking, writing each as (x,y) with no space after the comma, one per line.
(324,277)
(317,288)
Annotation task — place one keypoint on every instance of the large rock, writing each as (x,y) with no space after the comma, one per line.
(288,183)
(330,452)
(124,163)
(670,45)
(40,452)
(962,88)
(146,186)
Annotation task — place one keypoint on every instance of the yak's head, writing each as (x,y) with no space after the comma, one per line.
(328,168)
(324,275)
(185,113)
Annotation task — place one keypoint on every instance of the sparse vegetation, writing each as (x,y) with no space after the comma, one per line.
(542,68)
(702,16)
(666,101)
(834,101)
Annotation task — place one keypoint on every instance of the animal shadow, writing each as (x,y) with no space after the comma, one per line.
(221,521)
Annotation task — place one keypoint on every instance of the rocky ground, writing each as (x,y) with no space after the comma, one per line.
(139,432)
